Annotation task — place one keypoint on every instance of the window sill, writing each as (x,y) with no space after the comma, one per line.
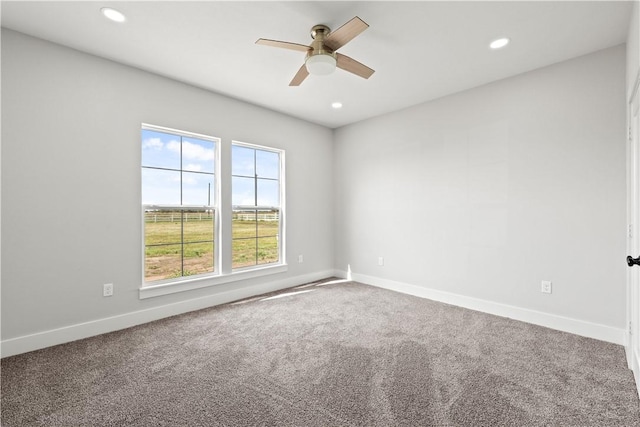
(150,291)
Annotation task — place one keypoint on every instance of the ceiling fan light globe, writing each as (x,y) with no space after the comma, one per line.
(321,65)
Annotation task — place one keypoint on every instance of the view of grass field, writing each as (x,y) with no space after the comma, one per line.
(176,247)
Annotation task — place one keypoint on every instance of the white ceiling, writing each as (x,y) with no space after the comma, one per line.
(420,50)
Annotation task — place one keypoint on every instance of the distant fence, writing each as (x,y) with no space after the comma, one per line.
(271,216)
(174,216)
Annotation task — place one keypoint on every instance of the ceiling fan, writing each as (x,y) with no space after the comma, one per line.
(322,57)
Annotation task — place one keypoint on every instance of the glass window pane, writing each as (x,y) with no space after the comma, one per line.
(244,191)
(267,164)
(198,258)
(243,224)
(197,189)
(268,223)
(198,226)
(178,170)
(162,262)
(162,227)
(243,161)
(160,150)
(160,187)
(244,253)
(267,250)
(268,192)
(198,155)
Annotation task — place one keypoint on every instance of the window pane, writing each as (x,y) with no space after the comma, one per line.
(243,224)
(160,150)
(244,253)
(243,161)
(267,250)
(244,192)
(198,155)
(268,223)
(178,171)
(197,189)
(160,187)
(162,227)
(198,258)
(267,164)
(198,226)
(162,262)
(268,192)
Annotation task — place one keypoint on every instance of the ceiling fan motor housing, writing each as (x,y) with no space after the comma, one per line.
(320,59)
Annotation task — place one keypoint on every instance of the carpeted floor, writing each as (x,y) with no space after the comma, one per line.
(327,354)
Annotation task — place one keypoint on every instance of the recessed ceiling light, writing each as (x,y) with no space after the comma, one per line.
(113,14)
(336,105)
(499,43)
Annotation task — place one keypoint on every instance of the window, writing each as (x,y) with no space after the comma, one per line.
(179,203)
(188,244)
(256,198)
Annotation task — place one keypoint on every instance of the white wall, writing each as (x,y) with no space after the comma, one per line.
(633,48)
(71,217)
(486,193)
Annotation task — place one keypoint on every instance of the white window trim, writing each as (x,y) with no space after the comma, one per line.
(196,282)
(185,133)
(215,206)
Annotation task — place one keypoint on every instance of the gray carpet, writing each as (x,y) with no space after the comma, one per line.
(336,354)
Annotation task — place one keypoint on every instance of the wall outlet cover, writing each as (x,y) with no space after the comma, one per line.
(107,289)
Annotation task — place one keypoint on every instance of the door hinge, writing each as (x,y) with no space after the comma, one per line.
(630,330)
(630,230)
(629,135)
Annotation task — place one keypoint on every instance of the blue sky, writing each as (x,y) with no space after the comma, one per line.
(163,187)
(246,163)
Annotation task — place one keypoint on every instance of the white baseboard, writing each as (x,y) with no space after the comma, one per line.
(78,331)
(634,364)
(70,333)
(552,321)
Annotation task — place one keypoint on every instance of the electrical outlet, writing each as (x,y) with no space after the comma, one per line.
(380,261)
(546,287)
(300,259)
(107,289)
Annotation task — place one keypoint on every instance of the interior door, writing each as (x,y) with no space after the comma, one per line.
(633,282)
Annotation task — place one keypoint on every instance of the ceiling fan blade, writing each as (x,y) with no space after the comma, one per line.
(300,76)
(343,35)
(353,66)
(284,45)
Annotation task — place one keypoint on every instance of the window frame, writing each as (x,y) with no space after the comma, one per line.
(213,206)
(223,210)
(257,208)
